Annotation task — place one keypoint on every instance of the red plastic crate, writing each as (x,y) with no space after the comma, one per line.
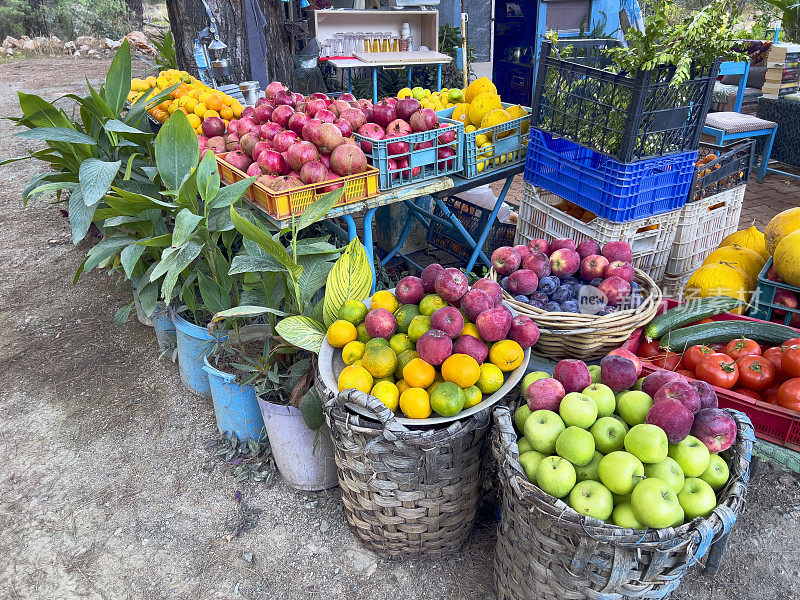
(771,422)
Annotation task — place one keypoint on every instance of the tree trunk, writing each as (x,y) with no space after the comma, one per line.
(188,17)
(135,13)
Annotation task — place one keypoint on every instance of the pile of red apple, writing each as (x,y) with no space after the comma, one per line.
(553,276)
(637,452)
(289,140)
(784,297)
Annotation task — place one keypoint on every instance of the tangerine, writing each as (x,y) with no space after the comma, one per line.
(461,369)
(415,403)
(419,373)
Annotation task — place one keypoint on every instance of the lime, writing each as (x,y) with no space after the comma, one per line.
(353,311)
(455,95)
(379,360)
(447,399)
(472,396)
(430,304)
(352,352)
(400,342)
(361,334)
(404,315)
(418,93)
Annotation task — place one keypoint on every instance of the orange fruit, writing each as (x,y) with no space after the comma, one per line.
(165,105)
(387,392)
(384,299)
(340,333)
(402,360)
(415,403)
(214,102)
(226,112)
(200,110)
(355,377)
(210,113)
(237,110)
(418,373)
(491,378)
(379,359)
(507,355)
(461,369)
(228,100)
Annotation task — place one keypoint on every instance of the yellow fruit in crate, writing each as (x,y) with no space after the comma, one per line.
(162,82)
(491,378)
(719,279)
(404,93)
(473,396)
(787,258)
(418,93)
(210,113)
(749,238)
(340,333)
(507,355)
(419,373)
(447,399)
(780,226)
(498,116)
(461,113)
(151,81)
(516,112)
(415,403)
(470,128)
(426,93)
(194,120)
(481,139)
(471,329)
(384,299)
(749,261)
(455,95)
(482,105)
(237,110)
(357,377)
(379,360)
(200,110)
(461,369)
(387,393)
(353,351)
(480,86)
(226,112)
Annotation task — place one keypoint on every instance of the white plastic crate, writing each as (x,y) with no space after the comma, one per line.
(672,286)
(650,237)
(701,227)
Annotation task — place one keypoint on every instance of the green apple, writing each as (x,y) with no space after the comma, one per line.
(667,471)
(418,326)
(592,499)
(609,434)
(647,442)
(556,476)
(655,504)
(691,454)
(530,378)
(697,498)
(524,445)
(623,516)
(589,470)
(633,406)
(621,498)
(529,461)
(716,473)
(620,472)
(578,409)
(522,413)
(638,385)
(576,445)
(594,373)
(542,429)
(603,397)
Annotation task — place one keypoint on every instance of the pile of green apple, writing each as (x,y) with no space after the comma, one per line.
(595,451)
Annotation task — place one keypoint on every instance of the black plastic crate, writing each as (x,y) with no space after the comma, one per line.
(628,118)
(473,218)
(730,169)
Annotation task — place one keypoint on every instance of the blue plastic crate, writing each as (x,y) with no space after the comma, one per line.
(423,160)
(764,306)
(610,189)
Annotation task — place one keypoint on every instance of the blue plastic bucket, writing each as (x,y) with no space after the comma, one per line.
(194,343)
(164,327)
(235,406)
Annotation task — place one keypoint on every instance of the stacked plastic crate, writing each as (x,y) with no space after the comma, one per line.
(620,149)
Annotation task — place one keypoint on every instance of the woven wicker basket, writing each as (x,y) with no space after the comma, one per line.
(406,493)
(583,336)
(547,551)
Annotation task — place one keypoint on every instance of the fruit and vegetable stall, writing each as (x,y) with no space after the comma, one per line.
(599,379)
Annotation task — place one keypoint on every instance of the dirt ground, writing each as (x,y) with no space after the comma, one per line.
(108,490)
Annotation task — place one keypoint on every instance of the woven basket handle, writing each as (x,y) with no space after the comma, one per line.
(377,409)
(508,439)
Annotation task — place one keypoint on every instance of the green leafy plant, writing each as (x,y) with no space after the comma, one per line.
(790,18)
(165,58)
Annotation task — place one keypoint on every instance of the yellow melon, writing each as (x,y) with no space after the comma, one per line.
(477,87)
(517,112)
(719,279)
(494,117)
(461,113)
(787,258)
(749,261)
(482,105)
(780,226)
(749,238)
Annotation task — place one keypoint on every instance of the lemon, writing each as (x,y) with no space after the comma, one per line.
(357,377)
(491,378)
(415,403)
(387,393)
(419,325)
(470,128)
(472,396)
(482,105)
(353,351)
(340,333)
(404,93)
(481,139)
(517,112)
(384,299)
(494,117)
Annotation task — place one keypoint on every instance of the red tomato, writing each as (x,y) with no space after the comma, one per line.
(770,395)
(738,348)
(789,394)
(792,342)
(755,372)
(668,360)
(695,354)
(719,347)
(790,362)
(718,369)
(701,321)
(686,373)
(648,349)
(748,393)
(775,356)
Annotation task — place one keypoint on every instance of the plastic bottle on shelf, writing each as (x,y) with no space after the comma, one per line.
(405,37)
(200,61)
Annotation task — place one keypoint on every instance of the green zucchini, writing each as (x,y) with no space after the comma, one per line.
(725,331)
(692,311)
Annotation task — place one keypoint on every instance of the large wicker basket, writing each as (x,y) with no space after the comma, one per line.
(547,551)
(406,493)
(584,336)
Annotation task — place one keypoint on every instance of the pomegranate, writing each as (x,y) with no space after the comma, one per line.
(407,107)
(259,148)
(446,153)
(265,180)
(260,101)
(271,162)
(314,105)
(396,148)
(383,114)
(283,140)
(354,116)
(392,168)
(285,97)
(326,116)
(297,120)
(231,142)
(201,141)
(327,137)
(300,107)
(262,113)
(248,141)
(217,144)
(391,102)
(422,145)
(285,183)
(244,125)
(273,88)
(310,129)
(362,103)
(402,167)
(238,159)
(348,97)
(337,107)
(319,96)
(344,126)
(253,170)
(333,186)
(282,114)
(325,159)
(298,98)
(314,172)
(269,130)
(348,160)
(372,131)
(448,135)
(301,153)
(417,122)
(398,127)
(213,126)
(248,112)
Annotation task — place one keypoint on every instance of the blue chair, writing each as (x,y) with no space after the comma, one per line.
(726,126)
